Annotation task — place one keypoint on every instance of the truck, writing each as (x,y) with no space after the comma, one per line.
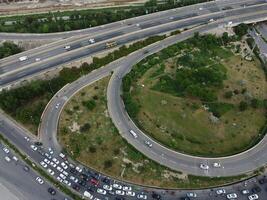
(133,133)
(88,195)
(22,58)
(111,44)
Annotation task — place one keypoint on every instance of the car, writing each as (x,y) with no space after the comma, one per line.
(39,180)
(76,187)
(117,186)
(62,156)
(106,180)
(263,180)
(111,192)
(107,187)
(27,139)
(184,198)
(94,181)
(141,196)
(53,164)
(101,191)
(75,180)
(82,183)
(73,171)
(217,165)
(34,148)
(220,191)
(84,177)
(191,195)
(130,193)
(7,159)
(47,161)
(245,192)
(88,195)
(62,176)
(37,59)
(67,47)
(23,58)
(52,191)
(15,158)
(50,171)
(50,150)
(48,156)
(256,189)
(26,168)
(59,179)
(120,192)
(65,173)
(231,196)
(57,105)
(43,164)
(64,165)
(78,169)
(119,198)
(38,143)
(59,169)
(253,197)
(55,160)
(6,150)
(92,41)
(67,182)
(127,188)
(91,188)
(204,166)
(156,196)
(148,143)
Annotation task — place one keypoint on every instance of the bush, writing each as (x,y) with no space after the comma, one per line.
(90,105)
(85,127)
(228,94)
(8,49)
(255,103)
(108,164)
(243,106)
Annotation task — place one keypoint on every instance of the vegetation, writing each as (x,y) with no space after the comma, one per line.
(102,148)
(74,20)
(8,49)
(199,96)
(26,103)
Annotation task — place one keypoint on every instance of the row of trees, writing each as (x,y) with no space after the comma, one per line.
(73,20)
(8,49)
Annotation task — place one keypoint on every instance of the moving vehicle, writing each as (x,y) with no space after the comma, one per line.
(111,44)
(133,134)
(51,191)
(23,58)
(148,143)
(204,166)
(67,47)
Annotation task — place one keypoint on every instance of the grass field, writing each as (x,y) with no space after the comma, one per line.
(102,148)
(187,124)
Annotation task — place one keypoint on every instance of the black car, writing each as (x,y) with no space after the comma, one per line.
(156,196)
(119,198)
(263,180)
(184,198)
(84,177)
(51,191)
(106,180)
(82,183)
(256,189)
(38,143)
(91,188)
(73,171)
(76,187)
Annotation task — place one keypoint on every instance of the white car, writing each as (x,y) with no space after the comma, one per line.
(67,182)
(204,166)
(62,176)
(7,159)
(23,58)
(101,191)
(33,147)
(50,150)
(37,59)
(53,164)
(120,192)
(130,193)
(88,195)
(191,194)
(64,165)
(27,139)
(51,172)
(217,165)
(245,191)
(59,179)
(6,150)
(253,197)
(59,169)
(117,186)
(75,180)
(39,180)
(65,173)
(107,187)
(43,164)
(55,160)
(92,41)
(62,155)
(15,158)
(47,161)
(48,156)
(149,144)
(78,169)
(220,191)
(126,188)
(67,47)
(141,196)
(231,196)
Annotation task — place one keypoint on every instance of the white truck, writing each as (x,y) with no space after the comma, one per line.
(88,195)
(22,58)
(133,134)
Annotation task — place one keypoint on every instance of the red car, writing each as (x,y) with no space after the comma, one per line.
(94,182)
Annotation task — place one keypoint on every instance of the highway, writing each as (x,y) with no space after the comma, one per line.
(53,55)
(233,165)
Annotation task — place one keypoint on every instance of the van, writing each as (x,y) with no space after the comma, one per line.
(133,134)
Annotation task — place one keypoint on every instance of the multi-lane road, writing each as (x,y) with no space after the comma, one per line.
(124,32)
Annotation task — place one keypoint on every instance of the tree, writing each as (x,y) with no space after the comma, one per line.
(243,105)
(228,94)
(255,103)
